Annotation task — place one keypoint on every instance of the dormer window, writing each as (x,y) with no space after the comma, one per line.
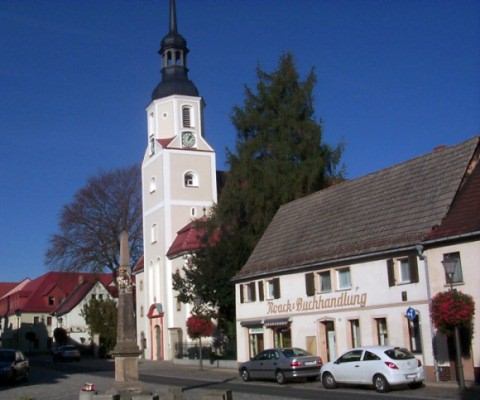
(190,179)
(187,116)
(51,300)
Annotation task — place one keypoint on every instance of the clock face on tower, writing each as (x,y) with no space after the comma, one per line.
(188,139)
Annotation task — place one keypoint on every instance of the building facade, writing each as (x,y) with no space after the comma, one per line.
(179,186)
(32,309)
(358,263)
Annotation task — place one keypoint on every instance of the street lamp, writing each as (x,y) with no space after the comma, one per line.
(450,266)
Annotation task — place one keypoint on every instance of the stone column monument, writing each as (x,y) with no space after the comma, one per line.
(126,351)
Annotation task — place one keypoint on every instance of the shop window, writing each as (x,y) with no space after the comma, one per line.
(402,270)
(355,333)
(382,331)
(457,276)
(414,334)
(343,279)
(282,337)
(255,341)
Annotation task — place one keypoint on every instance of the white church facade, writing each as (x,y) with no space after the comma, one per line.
(178,187)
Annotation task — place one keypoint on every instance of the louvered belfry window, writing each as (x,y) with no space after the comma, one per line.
(186,117)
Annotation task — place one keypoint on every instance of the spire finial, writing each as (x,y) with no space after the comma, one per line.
(173,17)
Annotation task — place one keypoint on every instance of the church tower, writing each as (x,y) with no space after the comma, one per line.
(179,186)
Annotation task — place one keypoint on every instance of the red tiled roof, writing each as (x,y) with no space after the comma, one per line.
(138,265)
(33,296)
(188,239)
(464,214)
(76,296)
(5,287)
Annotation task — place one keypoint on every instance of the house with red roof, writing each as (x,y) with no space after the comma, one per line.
(31,309)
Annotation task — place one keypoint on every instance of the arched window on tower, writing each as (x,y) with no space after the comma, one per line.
(190,179)
(151,142)
(187,116)
(153,184)
(169,58)
(178,58)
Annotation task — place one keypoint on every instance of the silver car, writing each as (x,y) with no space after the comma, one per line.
(281,365)
(380,366)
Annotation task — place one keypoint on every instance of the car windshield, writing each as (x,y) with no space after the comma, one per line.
(399,354)
(7,356)
(295,352)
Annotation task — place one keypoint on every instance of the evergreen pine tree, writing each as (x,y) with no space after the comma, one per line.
(279,157)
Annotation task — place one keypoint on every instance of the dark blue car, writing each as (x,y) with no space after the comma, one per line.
(14,366)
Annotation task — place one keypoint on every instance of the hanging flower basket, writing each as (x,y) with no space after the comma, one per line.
(450,309)
(199,327)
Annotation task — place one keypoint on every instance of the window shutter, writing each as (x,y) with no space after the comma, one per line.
(260,291)
(412,262)
(310,283)
(276,288)
(252,291)
(391,273)
(242,300)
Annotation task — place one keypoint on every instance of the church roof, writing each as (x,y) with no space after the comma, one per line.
(188,239)
(390,209)
(173,50)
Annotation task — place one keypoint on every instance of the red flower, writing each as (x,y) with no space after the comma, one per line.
(199,327)
(452,308)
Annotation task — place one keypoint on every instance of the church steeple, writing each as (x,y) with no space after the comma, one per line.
(173,50)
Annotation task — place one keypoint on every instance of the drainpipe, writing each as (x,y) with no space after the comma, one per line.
(423,257)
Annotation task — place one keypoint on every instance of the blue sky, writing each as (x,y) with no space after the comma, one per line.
(395,79)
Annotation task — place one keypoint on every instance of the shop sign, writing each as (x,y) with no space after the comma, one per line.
(317,303)
(253,331)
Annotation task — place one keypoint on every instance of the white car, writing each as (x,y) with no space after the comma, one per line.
(380,366)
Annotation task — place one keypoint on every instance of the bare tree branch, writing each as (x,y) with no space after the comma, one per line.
(89,227)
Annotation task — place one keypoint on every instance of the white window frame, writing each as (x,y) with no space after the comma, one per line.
(338,272)
(319,280)
(404,274)
(190,179)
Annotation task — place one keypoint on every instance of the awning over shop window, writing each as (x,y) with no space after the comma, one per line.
(276,322)
(251,324)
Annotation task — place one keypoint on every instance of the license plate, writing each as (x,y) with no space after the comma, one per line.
(310,363)
(411,376)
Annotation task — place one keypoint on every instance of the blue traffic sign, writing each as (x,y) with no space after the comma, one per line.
(411,313)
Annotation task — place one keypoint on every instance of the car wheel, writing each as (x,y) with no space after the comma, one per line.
(328,381)
(280,377)
(381,384)
(245,375)
(415,385)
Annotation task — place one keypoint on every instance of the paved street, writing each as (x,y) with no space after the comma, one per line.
(63,381)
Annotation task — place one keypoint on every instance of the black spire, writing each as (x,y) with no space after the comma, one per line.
(173,50)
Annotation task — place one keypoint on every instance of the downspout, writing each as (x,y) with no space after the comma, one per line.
(423,257)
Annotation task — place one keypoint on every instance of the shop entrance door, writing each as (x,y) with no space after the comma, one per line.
(330,340)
